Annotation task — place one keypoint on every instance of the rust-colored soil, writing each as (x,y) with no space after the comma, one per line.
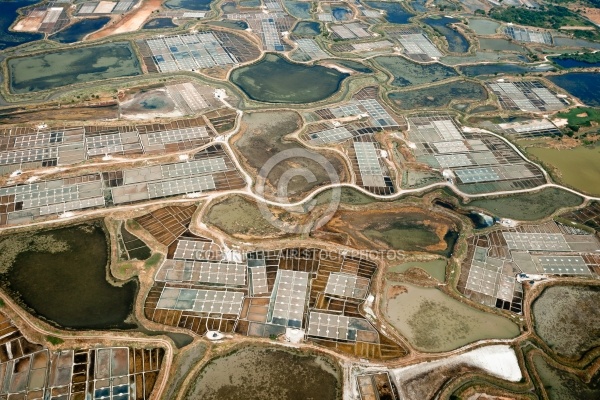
(29,24)
(593,14)
(395,290)
(130,22)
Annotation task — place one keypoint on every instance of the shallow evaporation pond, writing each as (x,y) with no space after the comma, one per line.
(457,43)
(8,15)
(255,373)
(439,96)
(231,24)
(583,85)
(79,30)
(70,66)
(195,5)
(433,321)
(498,69)
(298,9)
(341,13)
(307,28)
(358,67)
(276,80)
(575,43)
(483,26)
(394,12)
(493,44)
(435,268)
(558,312)
(159,23)
(407,73)
(562,385)
(61,275)
(572,63)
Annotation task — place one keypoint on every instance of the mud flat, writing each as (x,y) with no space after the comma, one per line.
(436,268)
(70,66)
(529,206)
(395,228)
(255,373)
(433,321)
(263,138)
(567,318)
(439,96)
(240,217)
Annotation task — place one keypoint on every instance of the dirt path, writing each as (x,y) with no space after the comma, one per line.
(130,22)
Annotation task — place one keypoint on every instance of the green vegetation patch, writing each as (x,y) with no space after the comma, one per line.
(581,116)
(439,96)
(153,260)
(347,196)
(528,206)
(71,66)
(240,217)
(578,167)
(547,16)
(54,340)
(586,57)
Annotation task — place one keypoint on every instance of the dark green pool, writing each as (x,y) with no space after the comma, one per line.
(61,275)
(276,80)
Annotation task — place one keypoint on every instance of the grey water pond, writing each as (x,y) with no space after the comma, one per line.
(255,373)
(408,73)
(70,66)
(276,80)
(307,28)
(159,23)
(439,96)
(62,276)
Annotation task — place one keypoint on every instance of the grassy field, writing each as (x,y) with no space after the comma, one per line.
(528,206)
(581,116)
(578,168)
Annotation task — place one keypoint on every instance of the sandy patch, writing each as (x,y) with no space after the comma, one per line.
(395,290)
(30,23)
(593,14)
(577,28)
(339,68)
(105,7)
(130,22)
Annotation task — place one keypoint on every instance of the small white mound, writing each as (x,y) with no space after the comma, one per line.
(294,335)
(214,335)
